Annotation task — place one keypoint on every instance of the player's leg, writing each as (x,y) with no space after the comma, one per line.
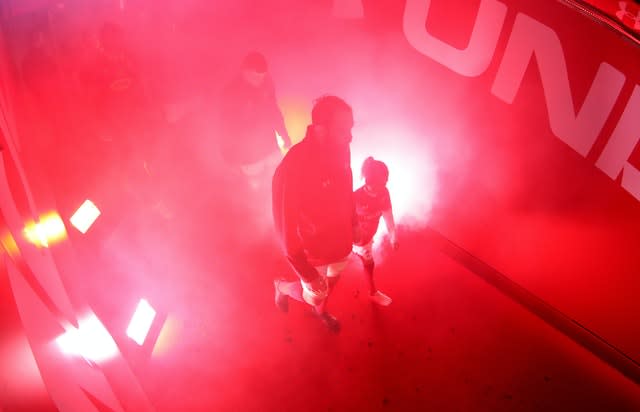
(333,271)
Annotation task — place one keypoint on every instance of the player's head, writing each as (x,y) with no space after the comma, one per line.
(332,120)
(375,174)
(254,69)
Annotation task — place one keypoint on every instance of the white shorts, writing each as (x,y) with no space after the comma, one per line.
(364,251)
(331,270)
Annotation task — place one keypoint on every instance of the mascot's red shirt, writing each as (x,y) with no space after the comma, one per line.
(369,209)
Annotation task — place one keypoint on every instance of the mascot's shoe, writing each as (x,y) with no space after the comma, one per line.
(380,298)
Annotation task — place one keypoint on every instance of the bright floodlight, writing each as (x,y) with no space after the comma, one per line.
(141,322)
(84,217)
(91,341)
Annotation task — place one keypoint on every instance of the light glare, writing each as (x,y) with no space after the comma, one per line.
(141,322)
(91,341)
(85,216)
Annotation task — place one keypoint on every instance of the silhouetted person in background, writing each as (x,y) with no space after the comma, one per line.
(126,125)
(42,79)
(39,68)
(115,89)
(372,202)
(313,207)
(249,119)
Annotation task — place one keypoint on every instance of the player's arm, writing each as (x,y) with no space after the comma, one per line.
(292,243)
(286,212)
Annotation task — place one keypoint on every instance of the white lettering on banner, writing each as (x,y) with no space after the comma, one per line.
(615,157)
(472,61)
(528,38)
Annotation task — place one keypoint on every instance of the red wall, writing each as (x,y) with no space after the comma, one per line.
(541,194)
(529,163)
